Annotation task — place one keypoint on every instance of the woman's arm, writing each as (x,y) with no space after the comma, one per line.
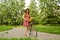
(24,17)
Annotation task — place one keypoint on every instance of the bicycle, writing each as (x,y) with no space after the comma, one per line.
(32,32)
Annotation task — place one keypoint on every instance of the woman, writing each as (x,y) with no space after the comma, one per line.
(26,22)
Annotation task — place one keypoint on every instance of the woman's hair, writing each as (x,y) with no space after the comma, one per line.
(28,10)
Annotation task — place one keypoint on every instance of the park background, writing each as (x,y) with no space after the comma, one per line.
(45,13)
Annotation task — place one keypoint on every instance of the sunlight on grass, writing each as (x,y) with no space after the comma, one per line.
(4,27)
(48,29)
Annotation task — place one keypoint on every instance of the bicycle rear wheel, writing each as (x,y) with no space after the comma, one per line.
(33,33)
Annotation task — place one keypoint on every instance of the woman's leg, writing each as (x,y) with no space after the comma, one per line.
(26,32)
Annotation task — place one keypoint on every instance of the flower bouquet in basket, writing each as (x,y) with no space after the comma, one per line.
(30,19)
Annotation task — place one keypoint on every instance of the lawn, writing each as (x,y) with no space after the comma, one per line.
(18,39)
(4,27)
(47,28)
(8,27)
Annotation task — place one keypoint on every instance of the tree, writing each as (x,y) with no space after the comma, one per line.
(34,11)
(11,11)
(49,11)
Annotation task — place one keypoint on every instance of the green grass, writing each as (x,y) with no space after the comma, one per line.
(18,39)
(8,27)
(48,29)
(4,27)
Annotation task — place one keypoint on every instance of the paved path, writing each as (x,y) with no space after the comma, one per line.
(19,32)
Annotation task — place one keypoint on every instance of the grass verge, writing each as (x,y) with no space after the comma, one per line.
(18,39)
(48,29)
(4,27)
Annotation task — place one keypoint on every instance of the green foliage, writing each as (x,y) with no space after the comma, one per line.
(34,11)
(49,11)
(11,12)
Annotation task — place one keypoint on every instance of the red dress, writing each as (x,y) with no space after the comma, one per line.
(25,22)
